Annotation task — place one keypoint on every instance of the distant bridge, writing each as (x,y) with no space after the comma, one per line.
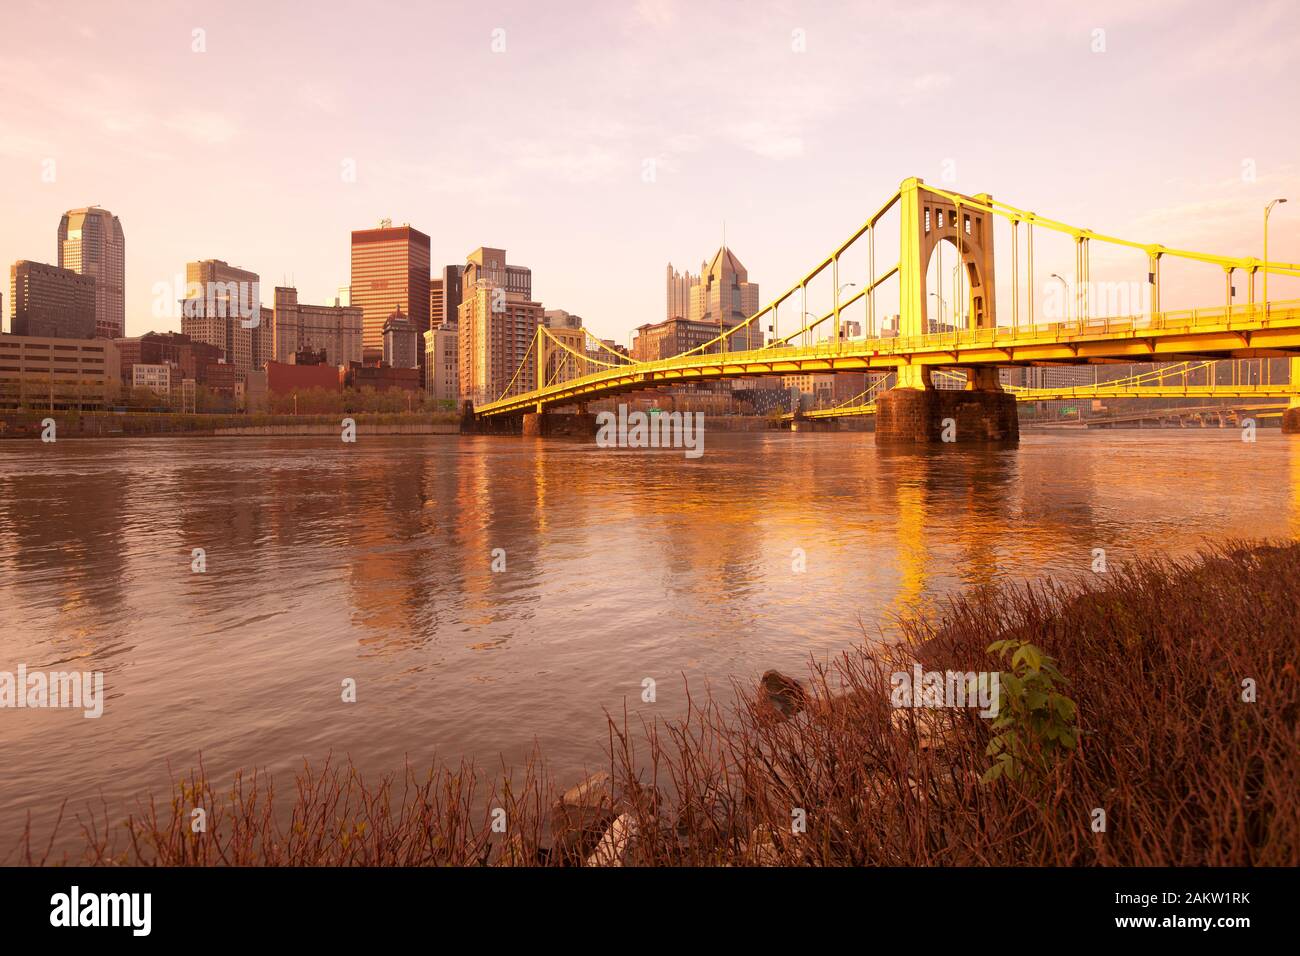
(1169,382)
(1220,416)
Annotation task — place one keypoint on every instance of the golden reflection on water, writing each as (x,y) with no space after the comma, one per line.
(911,544)
(1293,442)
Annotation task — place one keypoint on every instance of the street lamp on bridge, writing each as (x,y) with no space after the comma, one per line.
(939,323)
(1267,209)
(838,292)
(1065,292)
(808,332)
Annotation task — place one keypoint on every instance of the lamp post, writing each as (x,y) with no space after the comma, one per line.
(1267,209)
(838,333)
(808,333)
(1065,289)
(940,298)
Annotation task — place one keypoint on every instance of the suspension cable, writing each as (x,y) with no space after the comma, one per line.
(536,335)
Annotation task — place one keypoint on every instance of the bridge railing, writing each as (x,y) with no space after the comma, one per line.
(1222,316)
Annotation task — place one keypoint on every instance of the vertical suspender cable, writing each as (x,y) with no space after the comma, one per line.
(1029,278)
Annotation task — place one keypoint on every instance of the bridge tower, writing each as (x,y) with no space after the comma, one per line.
(1291,417)
(914,411)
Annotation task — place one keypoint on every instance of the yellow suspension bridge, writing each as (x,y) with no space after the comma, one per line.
(555,374)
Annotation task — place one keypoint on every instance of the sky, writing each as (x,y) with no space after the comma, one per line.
(597,142)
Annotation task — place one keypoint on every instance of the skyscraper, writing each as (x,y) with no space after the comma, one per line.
(498,319)
(223,307)
(452,278)
(436,303)
(390,272)
(723,293)
(679,293)
(702,307)
(52,302)
(91,243)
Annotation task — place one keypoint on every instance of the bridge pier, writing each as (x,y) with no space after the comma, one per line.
(555,425)
(472,424)
(1291,417)
(814,425)
(919,416)
(1291,420)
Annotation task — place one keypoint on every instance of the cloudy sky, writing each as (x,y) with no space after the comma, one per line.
(597,142)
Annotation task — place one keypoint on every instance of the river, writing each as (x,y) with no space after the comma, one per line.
(375,561)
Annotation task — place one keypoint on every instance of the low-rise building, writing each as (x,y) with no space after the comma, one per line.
(826,389)
(661,340)
(225,381)
(381,377)
(156,378)
(283,378)
(59,373)
(174,348)
(401,342)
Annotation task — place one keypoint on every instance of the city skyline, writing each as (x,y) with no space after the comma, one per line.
(802,163)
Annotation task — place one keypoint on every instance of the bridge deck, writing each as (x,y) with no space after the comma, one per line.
(1239,332)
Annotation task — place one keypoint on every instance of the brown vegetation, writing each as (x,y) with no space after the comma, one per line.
(1186,770)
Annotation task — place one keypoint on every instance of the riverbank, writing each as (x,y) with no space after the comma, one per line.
(1148,717)
(144,424)
(31,425)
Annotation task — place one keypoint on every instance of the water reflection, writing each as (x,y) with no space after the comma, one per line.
(374,561)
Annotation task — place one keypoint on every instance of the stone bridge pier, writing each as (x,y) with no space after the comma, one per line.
(815,425)
(472,424)
(538,424)
(580,424)
(981,412)
(1291,417)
